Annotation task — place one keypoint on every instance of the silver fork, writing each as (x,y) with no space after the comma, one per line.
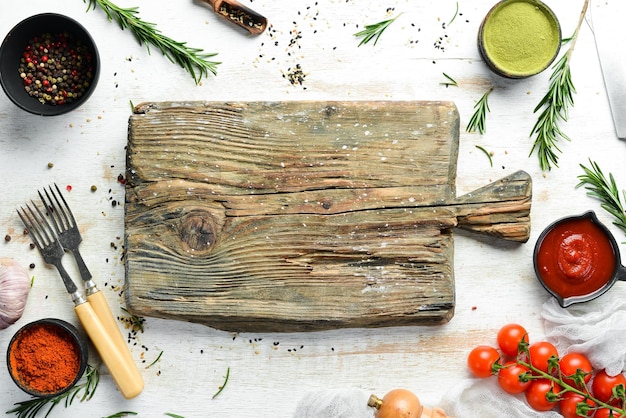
(66,229)
(52,251)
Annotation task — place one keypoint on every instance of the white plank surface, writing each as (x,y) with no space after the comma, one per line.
(270,373)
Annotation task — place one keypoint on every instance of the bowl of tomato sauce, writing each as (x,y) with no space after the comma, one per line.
(577,259)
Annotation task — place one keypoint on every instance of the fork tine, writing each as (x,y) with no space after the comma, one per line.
(51,211)
(29,226)
(67,212)
(44,226)
(34,222)
(56,212)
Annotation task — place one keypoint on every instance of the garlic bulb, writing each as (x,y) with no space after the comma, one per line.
(14,288)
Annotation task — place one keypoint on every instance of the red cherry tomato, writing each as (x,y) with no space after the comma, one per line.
(509,338)
(573,363)
(569,403)
(539,392)
(481,360)
(606,413)
(509,378)
(540,354)
(603,384)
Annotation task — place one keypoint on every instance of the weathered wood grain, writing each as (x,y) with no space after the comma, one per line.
(302,215)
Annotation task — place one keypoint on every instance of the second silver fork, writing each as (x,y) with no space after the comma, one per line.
(65,225)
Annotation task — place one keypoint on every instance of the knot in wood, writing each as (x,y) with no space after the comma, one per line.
(197,231)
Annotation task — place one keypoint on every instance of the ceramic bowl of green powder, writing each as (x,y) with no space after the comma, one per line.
(519,38)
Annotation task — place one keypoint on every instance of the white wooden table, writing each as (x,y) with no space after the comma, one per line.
(269,373)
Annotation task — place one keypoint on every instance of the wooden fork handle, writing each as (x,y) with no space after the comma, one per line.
(101,308)
(127,379)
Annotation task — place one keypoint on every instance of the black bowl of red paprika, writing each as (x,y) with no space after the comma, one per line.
(47,357)
(49,64)
(577,259)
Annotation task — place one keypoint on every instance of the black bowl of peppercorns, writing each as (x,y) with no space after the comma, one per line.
(49,64)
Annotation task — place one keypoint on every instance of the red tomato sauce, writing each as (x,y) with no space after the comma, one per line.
(576,258)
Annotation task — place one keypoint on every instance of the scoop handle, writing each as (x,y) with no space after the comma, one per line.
(123,376)
(101,308)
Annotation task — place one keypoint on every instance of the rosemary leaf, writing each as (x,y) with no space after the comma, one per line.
(122,414)
(555,104)
(194,60)
(223,384)
(451,81)
(154,362)
(486,153)
(169,414)
(479,119)
(32,407)
(456,13)
(605,190)
(374,31)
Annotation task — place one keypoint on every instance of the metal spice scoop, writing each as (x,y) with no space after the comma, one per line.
(240,15)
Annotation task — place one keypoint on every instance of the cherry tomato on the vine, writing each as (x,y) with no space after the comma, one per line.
(540,354)
(569,402)
(509,378)
(481,360)
(509,338)
(539,392)
(603,384)
(571,363)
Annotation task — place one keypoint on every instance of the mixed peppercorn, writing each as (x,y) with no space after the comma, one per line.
(56,68)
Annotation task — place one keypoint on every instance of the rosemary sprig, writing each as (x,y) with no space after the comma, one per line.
(374,31)
(555,104)
(478,121)
(557,101)
(605,190)
(88,385)
(193,60)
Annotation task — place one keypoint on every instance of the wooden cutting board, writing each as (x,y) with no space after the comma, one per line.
(298,216)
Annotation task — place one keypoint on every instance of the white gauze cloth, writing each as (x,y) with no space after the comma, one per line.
(595,328)
(335,403)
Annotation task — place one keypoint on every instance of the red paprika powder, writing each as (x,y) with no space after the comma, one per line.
(44,358)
